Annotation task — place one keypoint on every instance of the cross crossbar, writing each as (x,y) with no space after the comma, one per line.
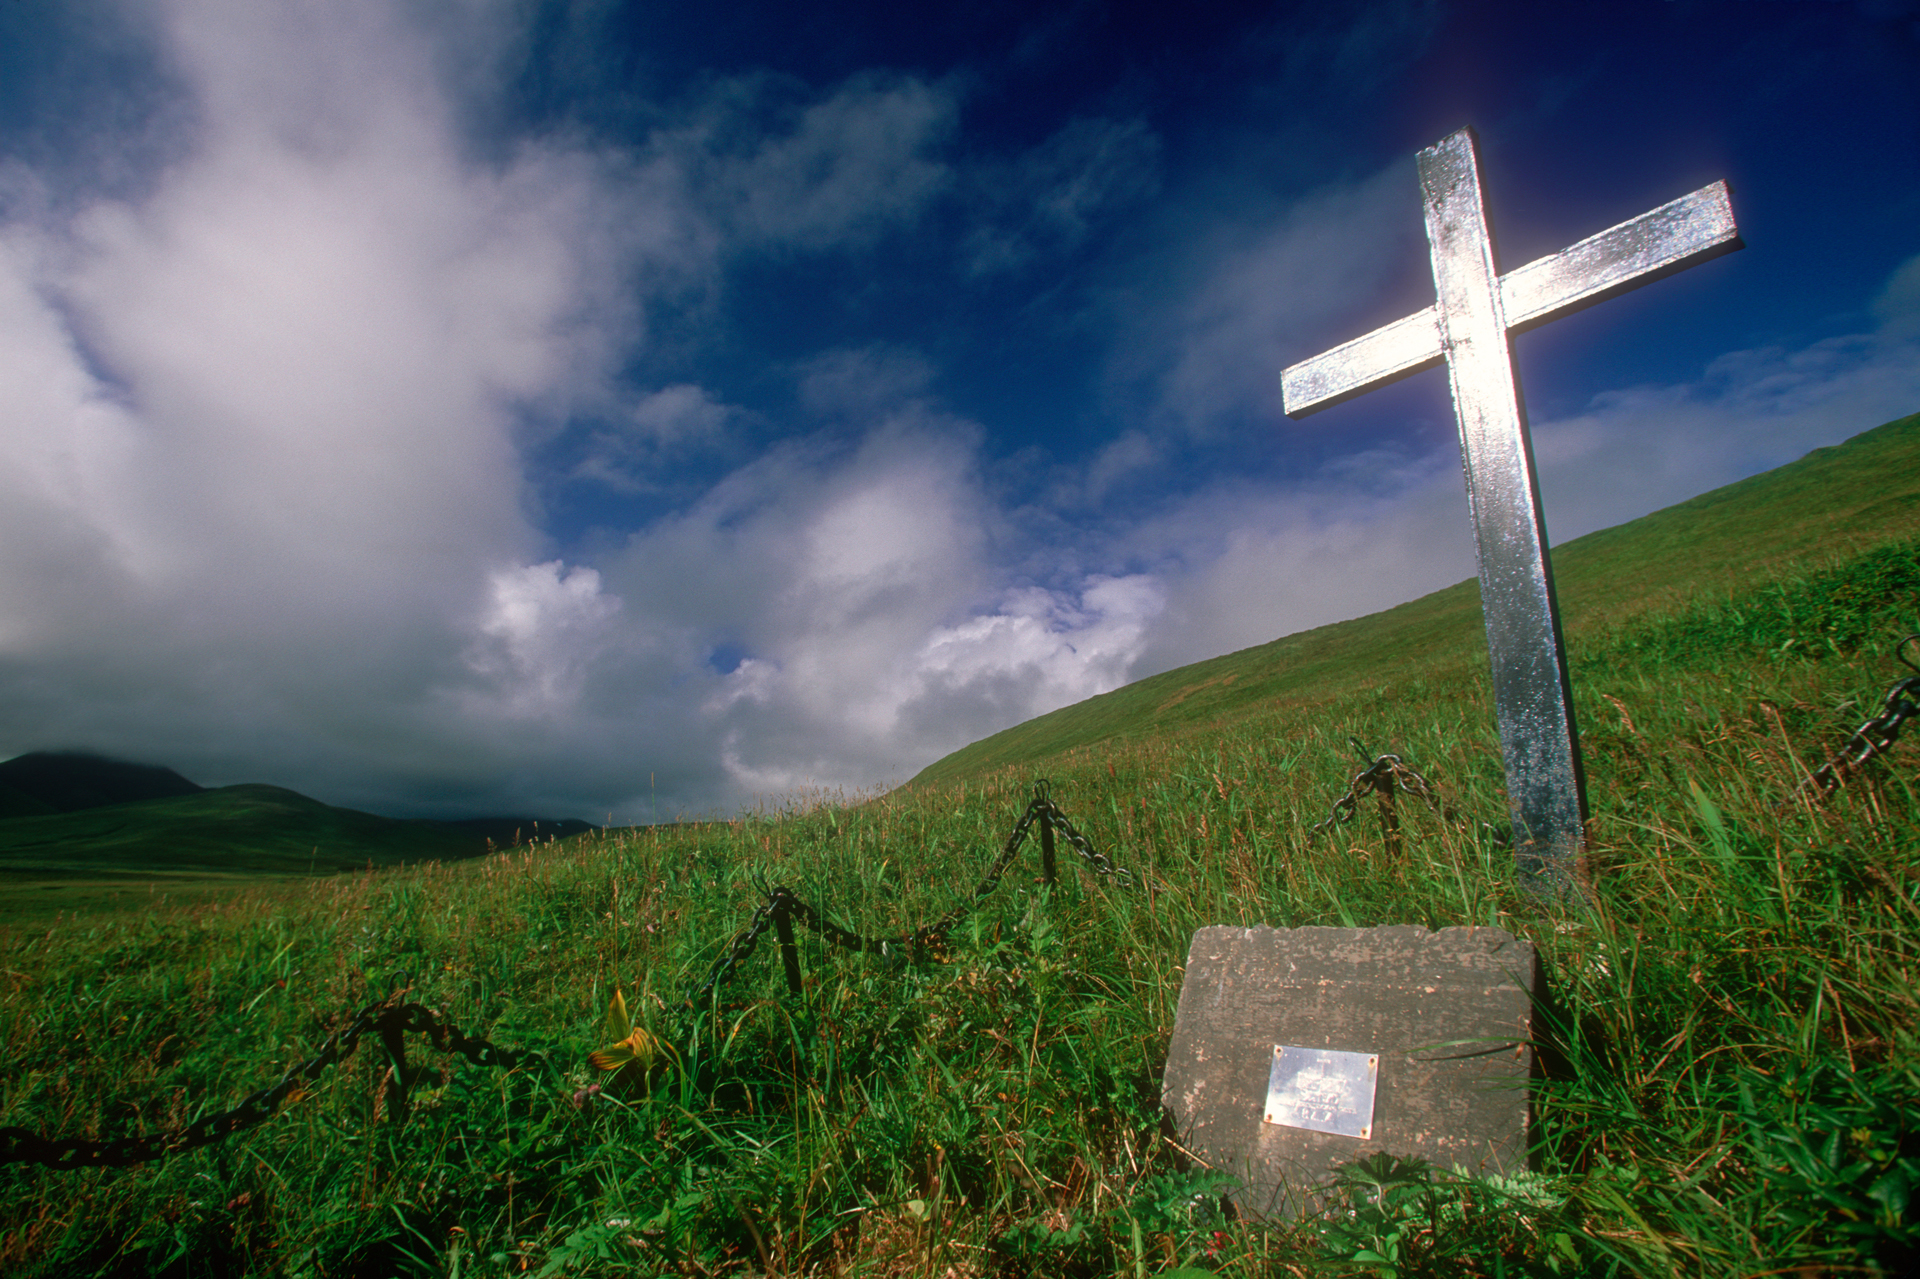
(1673,237)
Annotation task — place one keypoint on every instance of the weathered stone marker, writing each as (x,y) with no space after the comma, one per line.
(1295,1050)
(1470,327)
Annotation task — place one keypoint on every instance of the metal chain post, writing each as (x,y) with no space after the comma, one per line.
(782,906)
(1386,774)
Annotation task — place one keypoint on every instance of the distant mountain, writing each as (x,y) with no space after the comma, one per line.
(69,781)
(232,829)
(248,829)
(65,813)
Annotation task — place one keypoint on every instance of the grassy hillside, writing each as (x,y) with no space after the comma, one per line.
(15,803)
(1830,504)
(1729,1034)
(254,828)
(200,843)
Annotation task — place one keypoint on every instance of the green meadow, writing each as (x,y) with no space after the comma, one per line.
(185,848)
(1731,1029)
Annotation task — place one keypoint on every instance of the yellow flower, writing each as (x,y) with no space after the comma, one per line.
(634,1050)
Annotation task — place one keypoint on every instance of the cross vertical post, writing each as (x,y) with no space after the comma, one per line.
(1532,697)
(1469,328)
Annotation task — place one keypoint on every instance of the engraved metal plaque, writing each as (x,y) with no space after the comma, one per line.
(1323,1090)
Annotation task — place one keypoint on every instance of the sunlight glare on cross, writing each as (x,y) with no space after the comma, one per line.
(1470,327)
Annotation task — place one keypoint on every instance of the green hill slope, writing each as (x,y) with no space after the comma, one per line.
(250,829)
(1833,503)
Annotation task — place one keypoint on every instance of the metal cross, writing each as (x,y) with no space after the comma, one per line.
(1470,327)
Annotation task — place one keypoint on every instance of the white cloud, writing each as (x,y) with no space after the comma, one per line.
(1049,198)
(1898,306)
(1042,648)
(863,385)
(258,424)
(837,172)
(1262,292)
(666,426)
(1637,450)
(830,569)
(545,623)
(1130,453)
(1243,564)
(678,413)
(877,629)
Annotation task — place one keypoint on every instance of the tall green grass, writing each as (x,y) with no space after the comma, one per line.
(1732,1019)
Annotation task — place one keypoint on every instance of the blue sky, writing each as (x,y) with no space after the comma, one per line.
(633,409)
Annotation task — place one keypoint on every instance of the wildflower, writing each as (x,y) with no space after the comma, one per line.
(634,1051)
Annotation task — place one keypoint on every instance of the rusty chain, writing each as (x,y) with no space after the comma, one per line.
(743,943)
(925,941)
(1874,737)
(1097,862)
(1386,774)
(388,1018)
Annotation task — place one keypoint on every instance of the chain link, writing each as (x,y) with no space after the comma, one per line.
(1381,777)
(926,941)
(742,948)
(386,1017)
(931,938)
(1875,736)
(1097,862)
